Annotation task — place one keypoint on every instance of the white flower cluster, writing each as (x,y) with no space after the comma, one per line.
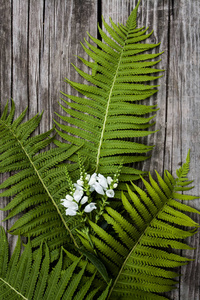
(73,202)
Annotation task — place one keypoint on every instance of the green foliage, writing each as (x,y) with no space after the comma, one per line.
(137,254)
(39,183)
(25,277)
(110,119)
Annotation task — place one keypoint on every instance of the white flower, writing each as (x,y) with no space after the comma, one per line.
(93,179)
(66,203)
(80,182)
(115,185)
(109,180)
(98,188)
(68,197)
(78,195)
(102,181)
(110,193)
(90,207)
(78,187)
(72,205)
(84,200)
(70,212)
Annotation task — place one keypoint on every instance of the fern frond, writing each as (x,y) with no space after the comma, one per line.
(28,278)
(152,219)
(108,119)
(39,183)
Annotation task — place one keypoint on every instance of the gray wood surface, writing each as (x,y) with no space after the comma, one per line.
(40,39)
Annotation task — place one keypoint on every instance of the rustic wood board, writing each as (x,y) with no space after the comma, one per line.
(40,39)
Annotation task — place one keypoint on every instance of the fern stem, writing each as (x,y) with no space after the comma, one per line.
(106,114)
(43,184)
(13,289)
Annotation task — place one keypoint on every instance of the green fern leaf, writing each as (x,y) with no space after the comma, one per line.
(152,219)
(28,278)
(120,76)
(40,182)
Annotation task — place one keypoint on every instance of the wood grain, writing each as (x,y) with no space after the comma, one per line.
(40,39)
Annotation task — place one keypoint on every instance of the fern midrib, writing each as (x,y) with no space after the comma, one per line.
(107,109)
(135,246)
(12,288)
(43,184)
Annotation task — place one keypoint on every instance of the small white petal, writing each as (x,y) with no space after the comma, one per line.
(115,185)
(90,207)
(98,188)
(80,182)
(70,212)
(72,205)
(110,193)
(78,195)
(92,179)
(102,181)
(68,197)
(109,180)
(84,200)
(78,187)
(100,176)
(67,203)
(91,188)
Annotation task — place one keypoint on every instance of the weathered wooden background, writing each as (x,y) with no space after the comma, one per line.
(39,39)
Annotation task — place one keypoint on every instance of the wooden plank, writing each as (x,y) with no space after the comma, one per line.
(20,53)
(71,20)
(35,38)
(5,72)
(54,42)
(184,117)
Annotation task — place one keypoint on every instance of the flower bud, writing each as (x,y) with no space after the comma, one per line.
(80,182)
(68,197)
(110,193)
(84,200)
(90,207)
(109,180)
(78,195)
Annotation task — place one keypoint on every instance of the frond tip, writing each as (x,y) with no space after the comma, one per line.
(108,119)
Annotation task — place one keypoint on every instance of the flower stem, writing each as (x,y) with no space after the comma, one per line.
(101,210)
